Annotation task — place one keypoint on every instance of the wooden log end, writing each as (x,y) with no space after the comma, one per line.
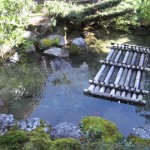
(86,91)
(91,81)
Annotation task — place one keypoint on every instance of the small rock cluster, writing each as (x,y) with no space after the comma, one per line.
(6,121)
(40,36)
(66,130)
(32,124)
(143,132)
(62,130)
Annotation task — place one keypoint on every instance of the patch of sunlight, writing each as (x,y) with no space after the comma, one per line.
(104,43)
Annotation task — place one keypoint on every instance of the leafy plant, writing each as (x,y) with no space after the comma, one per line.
(13,19)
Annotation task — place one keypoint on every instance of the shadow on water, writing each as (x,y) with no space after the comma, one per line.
(52,88)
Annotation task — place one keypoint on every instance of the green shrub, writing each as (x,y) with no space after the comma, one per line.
(66,144)
(99,129)
(39,139)
(13,20)
(13,139)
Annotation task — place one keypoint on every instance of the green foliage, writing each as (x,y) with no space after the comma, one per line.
(66,144)
(139,141)
(26,44)
(74,50)
(13,139)
(99,129)
(40,139)
(13,20)
(145,12)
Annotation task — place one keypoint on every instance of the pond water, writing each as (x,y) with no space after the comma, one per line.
(52,88)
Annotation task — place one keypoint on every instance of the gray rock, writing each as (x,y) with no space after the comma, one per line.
(62,40)
(31,49)
(79,42)
(58,52)
(143,132)
(32,124)
(5,122)
(15,58)
(66,130)
(27,34)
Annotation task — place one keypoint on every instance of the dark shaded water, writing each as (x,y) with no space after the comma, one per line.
(52,89)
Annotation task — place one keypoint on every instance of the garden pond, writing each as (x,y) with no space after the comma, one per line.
(52,88)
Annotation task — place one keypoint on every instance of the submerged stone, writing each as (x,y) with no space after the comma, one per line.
(66,130)
(57,52)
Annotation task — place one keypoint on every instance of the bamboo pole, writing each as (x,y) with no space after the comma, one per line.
(119,98)
(131,84)
(133,48)
(138,76)
(102,89)
(143,76)
(104,74)
(103,66)
(118,77)
(129,58)
(137,59)
(114,55)
(122,57)
(123,77)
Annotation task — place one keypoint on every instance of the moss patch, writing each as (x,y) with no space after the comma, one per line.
(66,144)
(139,141)
(40,139)
(47,43)
(99,129)
(14,139)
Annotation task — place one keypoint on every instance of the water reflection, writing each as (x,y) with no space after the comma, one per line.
(52,88)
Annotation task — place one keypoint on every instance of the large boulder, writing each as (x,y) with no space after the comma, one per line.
(66,130)
(62,41)
(78,46)
(40,24)
(57,52)
(53,40)
(79,42)
(6,121)
(99,129)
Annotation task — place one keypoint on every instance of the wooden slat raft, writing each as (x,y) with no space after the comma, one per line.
(122,75)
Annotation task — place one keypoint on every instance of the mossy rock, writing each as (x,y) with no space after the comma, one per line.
(75,50)
(48,42)
(99,129)
(14,139)
(138,141)
(66,144)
